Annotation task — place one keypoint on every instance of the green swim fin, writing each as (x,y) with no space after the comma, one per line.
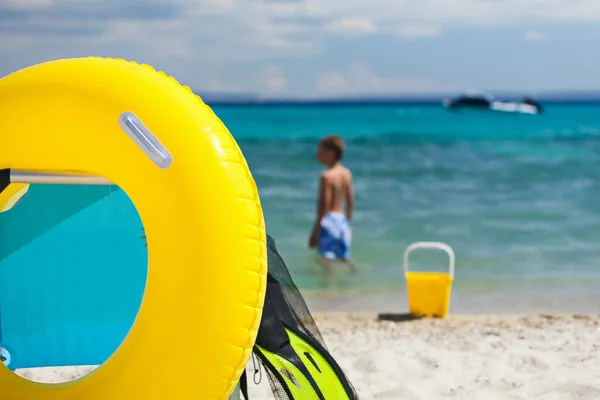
(317,376)
(289,345)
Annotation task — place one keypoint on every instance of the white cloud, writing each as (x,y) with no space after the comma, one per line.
(360,78)
(447,12)
(355,26)
(419,31)
(188,36)
(272,78)
(351,26)
(331,82)
(535,36)
(25,4)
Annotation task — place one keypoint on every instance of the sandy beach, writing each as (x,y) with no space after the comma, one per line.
(463,357)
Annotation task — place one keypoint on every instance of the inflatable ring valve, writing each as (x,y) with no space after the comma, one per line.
(196,198)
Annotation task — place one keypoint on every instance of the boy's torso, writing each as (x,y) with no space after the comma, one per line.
(338,181)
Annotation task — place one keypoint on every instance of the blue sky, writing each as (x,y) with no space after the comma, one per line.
(321,47)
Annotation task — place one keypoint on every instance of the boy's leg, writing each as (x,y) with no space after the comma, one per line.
(326,263)
(327,266)
(345,245)
(326,250)
(350,265)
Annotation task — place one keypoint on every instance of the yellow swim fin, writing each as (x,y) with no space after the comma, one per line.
(290,346)
(305,370)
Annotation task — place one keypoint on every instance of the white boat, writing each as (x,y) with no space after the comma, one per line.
(487,102)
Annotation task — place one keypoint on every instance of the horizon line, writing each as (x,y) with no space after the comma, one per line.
(257,99)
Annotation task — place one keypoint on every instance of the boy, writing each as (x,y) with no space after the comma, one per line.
(332,233)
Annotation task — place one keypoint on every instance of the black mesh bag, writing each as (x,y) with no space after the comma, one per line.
(290,346)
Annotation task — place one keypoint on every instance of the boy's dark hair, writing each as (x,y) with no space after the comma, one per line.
(334,143)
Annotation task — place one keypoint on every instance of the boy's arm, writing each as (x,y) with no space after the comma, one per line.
(324,197)
(324,192)
(350,198)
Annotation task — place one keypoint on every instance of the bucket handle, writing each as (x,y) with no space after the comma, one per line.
(431,245)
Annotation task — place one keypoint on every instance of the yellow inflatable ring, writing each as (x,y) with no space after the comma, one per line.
(199,204)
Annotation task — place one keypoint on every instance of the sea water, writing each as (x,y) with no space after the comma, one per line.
(516,196)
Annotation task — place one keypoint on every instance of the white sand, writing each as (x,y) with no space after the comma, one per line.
(483,358)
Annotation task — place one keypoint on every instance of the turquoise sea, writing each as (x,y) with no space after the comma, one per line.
(516,196)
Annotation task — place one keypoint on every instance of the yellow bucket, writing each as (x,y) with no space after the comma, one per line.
(429,292)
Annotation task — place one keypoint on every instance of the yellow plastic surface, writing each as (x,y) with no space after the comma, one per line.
(428,293)
(298,385)
(323,374)
(11,195)
(206,280)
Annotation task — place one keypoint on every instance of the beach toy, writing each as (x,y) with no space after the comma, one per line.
(429,292)
(103,122)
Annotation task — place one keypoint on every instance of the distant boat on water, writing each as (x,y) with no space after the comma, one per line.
(486,102)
